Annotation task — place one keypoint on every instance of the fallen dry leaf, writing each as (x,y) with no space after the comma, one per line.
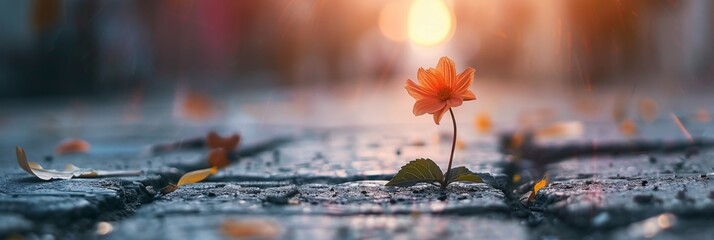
(536,187)
(250,228)
(168,189)
(213,140)
(70,170)
(648,109)
(628,128)
(218,158)
(72,145)
(483,123)
(196,176)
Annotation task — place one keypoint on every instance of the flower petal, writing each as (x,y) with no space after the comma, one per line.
(416,91)
(468,95)
(439,114)
(427,105)
(454,101)
(464,80)
(429,80)
(448,70)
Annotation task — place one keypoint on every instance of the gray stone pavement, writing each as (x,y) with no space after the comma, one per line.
(327,183)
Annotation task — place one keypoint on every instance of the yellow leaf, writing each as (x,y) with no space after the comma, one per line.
(196,176)
(536,187)
(540,184)
(70,170)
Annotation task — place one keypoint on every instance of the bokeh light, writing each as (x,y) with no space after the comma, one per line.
(430,22)
(393,20)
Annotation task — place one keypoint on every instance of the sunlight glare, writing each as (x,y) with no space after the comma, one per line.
(430,22)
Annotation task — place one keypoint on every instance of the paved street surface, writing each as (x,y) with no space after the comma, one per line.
(312,182)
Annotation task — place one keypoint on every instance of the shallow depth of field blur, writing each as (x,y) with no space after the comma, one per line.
(344,63)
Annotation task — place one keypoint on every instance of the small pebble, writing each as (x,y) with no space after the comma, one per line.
(644,183)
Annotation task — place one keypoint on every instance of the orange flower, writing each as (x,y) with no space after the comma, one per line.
(440,89)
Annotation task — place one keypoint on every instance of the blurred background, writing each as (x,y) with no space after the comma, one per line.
(202,50)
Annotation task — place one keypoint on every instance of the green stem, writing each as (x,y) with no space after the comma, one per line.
(453,146)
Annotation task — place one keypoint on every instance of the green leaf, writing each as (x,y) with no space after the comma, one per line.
(421,170)
(462,174)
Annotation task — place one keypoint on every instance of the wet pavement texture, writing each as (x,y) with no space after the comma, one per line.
(328,183)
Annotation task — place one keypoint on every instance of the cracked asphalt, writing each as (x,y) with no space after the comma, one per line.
(328,183)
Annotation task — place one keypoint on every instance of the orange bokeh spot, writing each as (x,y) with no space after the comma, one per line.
(72,145)
(628,128)
(648,109)
(483,123)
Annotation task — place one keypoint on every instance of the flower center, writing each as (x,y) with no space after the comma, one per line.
(444,94)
